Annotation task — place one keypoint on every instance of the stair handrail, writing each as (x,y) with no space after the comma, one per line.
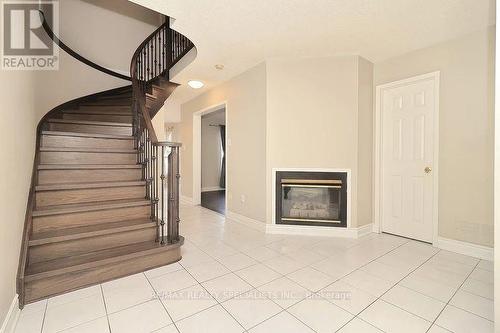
(75,54)
(150,67)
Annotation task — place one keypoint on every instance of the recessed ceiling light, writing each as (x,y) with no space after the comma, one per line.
(195,84)
(219,67)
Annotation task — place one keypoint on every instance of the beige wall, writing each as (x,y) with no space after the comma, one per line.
(466,129)
(17,134)
(211,149)
(27,96)
(313,120)
(365,142)
(245,95)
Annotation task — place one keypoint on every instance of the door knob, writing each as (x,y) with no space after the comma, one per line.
(427,169)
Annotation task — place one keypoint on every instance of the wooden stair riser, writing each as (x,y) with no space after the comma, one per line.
(80,219)
(87,175)
(75,196)
(111,102)
(111,109)
(75,247)
(68,157)
(97,129)
(85,142)
(157,90)
(43,288)
(126,119)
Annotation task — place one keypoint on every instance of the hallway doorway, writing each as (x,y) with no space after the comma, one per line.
(212,192)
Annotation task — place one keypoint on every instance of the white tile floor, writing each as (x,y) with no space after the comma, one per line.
(236,279)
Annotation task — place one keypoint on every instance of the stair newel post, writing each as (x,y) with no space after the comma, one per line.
(153,182)
(156,208)
(162,177)
(173,194)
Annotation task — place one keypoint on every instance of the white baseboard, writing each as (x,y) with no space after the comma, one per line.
(307,230)
(469,249)
(212,188)
(246,221)
(364,230)
(303,230)
(186,200)
(10,320)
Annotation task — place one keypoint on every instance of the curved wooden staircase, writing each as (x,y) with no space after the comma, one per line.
(104,197)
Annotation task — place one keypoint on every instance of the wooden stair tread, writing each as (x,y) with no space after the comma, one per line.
(99,112)
(101,109)
(67,234)
(87,207)
(89,122)
(89,150)
(75,186)
(89,135)
(95,259)
(87,166)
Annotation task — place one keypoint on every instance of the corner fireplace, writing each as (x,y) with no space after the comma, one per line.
(311,198)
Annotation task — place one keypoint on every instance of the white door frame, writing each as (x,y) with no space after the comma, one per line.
(378,166)
(197,148)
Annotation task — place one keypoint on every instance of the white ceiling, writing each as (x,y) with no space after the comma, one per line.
(242,33)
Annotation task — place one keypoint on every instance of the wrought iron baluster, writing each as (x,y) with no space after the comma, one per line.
(173,194)
(156,189)
(162,177)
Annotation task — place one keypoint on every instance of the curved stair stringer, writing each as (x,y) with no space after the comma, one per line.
(87,219)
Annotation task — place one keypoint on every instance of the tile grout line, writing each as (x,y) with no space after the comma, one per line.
(309,265)
(254,288)
(44,314)
(447,303)
(357,315)
(397,283)
(163,305)
(315,293)
(105,307)
(216,300)
(475,314)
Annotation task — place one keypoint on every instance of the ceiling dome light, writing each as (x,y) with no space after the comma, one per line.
(195,84)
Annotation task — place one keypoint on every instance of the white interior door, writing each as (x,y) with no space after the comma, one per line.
(407,116)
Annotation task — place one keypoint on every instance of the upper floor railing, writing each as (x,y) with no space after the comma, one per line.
(149,71)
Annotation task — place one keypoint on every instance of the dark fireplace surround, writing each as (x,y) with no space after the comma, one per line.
(311,198)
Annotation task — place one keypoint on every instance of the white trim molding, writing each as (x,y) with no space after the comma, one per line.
(378,144)
(308,230)
(364,230)
(246,221)
(468,249)
(303,230)
(197,188)
(10,320)
(186,200)
(212,188)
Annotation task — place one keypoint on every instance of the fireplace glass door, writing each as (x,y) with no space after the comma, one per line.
(311,200)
